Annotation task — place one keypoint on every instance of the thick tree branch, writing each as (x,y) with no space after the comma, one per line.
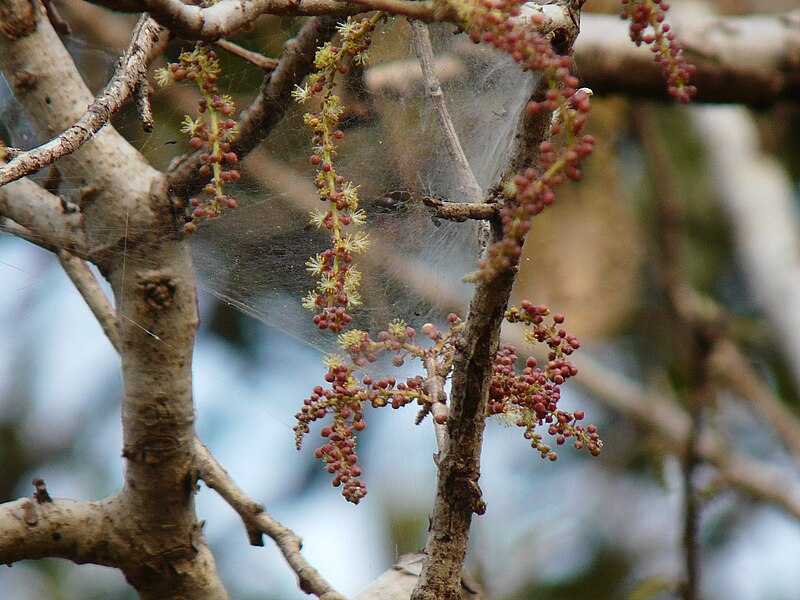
(124,206)
(84,280)
(44,216)
(753,59)
(128,76)
(79,531)
(227,16)
(422,10)
(750,59)
(258,522)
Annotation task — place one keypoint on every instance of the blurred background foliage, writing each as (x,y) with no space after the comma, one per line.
(578,529)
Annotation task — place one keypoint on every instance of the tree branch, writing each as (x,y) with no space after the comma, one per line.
(458,494)
(468,185)
(258,522)
(460,211)
(765,232)
(269,106)
(44,216)
(153,281)
(731,365)
(227,16)
(130,72)
(259,60)
(422,10)
(84,280)
(652,411)
(751,59)
(75,530)
(434,387)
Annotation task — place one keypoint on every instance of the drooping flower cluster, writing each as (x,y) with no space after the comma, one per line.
(498,22)
(336,291)
(647,26)
(211,131)
(530,399)
(347,396)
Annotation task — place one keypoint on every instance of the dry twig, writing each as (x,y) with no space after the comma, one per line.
(86,283)
(258,523)
(131,69)
(259,60)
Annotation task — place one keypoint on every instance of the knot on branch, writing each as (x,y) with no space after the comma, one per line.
(25,80)
(17,18)
(158,290)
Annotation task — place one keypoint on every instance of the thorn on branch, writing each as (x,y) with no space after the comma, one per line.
(40,493)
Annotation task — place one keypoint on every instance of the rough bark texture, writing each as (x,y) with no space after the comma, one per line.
(458,494)
(149,530)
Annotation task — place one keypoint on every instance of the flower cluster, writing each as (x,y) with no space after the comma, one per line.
(344,401)
(347,396)
(336,291)
(498,22)
(648,27)
(211,131)
(530,399)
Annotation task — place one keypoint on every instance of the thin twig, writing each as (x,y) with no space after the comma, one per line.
(467,184)
(131,68)
(269,106)
(731,364)
(460,211)
(141,97)
(256,58)
(692,505)
(669,422)
(465,178)
(697,334)
(84,280)
(258,523)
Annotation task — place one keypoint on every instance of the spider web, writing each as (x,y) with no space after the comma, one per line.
(253,258)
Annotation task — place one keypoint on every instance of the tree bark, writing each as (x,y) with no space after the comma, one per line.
(124,225)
